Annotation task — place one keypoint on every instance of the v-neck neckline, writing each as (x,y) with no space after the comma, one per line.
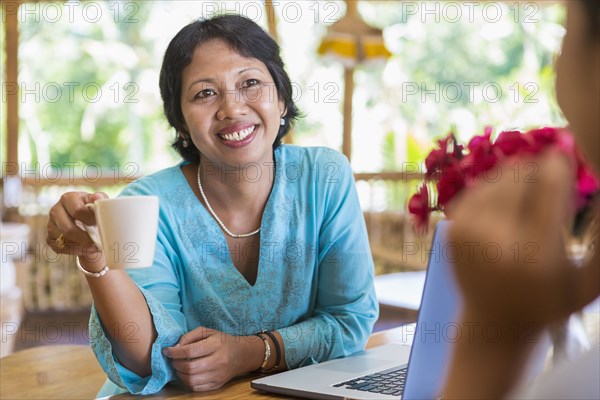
(218,233)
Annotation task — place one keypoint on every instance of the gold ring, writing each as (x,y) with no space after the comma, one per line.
(60,242)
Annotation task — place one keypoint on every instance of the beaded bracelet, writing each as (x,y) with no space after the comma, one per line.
(277,351)
(98,274)
(267,351)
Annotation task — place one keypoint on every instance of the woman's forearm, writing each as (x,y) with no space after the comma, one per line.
(125,317)
(486,368)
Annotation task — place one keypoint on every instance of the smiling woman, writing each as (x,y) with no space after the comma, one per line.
(228,97)
(184,65)
(255,241)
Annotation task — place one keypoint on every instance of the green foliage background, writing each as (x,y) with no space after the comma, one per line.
(390,128)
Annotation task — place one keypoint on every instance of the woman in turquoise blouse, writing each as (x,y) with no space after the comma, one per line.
(262,259)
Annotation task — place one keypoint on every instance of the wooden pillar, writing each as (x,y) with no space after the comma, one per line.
(271,19)
(351,11)
(351,7)
(272,26)
(347,131)
(11,32)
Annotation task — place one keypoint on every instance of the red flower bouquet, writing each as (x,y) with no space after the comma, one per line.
(451,167)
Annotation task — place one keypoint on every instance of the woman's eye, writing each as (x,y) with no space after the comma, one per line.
(203,94)
(250,83)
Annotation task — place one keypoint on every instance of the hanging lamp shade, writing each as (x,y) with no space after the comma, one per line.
(352,41)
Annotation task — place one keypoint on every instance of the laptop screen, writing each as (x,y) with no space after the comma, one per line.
(438,324)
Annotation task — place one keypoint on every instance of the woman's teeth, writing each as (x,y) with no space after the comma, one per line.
(237,136)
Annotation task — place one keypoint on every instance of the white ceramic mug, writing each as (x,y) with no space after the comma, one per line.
(126,230)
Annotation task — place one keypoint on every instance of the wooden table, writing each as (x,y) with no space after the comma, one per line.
(239,389)
(72,372)
(51,372)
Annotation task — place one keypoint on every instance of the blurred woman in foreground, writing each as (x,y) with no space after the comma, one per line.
(511,292)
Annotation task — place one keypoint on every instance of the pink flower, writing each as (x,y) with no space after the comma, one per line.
(480,158)
(418,206)
(451,182)
(587,182)
(511,142)
(481,140)
(540,139)
(453,168)
(565,142)
(438,159)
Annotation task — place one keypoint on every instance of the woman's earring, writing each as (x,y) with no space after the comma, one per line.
(184,141)
(282,122)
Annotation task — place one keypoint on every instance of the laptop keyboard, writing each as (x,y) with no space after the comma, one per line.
(390,381)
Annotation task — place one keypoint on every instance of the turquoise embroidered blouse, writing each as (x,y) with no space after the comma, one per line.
(315,271)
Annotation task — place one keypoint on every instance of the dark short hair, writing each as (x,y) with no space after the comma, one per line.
(247,39)
(591,9)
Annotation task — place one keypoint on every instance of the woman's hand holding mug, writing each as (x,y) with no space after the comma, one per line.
(126,233)
(66,232)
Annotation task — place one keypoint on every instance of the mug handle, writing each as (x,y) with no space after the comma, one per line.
(92,230)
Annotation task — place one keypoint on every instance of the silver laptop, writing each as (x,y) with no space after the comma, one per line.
(383,372)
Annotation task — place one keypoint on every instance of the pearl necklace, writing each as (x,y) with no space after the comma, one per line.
(212,212)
